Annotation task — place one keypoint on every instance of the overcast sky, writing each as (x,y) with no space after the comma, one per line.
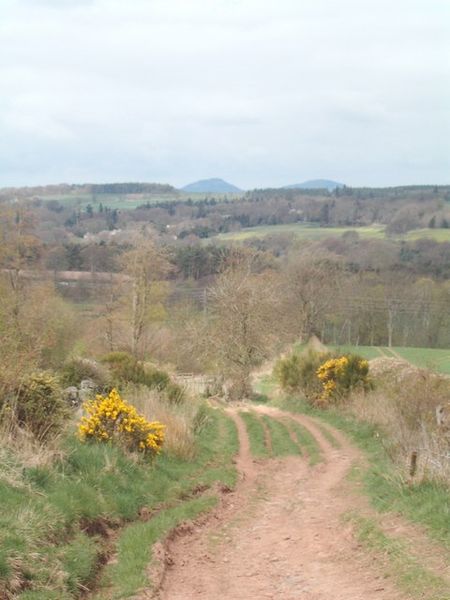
(259,92)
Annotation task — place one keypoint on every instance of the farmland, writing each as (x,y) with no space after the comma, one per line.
(118,201)
(310,231)
(438,235)
(304,231)
(113,201)
(435,359)
(314,215)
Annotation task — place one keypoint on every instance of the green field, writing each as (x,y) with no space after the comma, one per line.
(431,358)
(304,231)
(439,235)
(310,231)
(128,201)
(367,352)
(436,359)
(119,201)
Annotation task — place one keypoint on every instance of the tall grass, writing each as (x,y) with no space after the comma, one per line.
(181,420)
(405,408)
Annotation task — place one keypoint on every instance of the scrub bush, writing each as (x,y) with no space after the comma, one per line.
(111,419)
(38,405)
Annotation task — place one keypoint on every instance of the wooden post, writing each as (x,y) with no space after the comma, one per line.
(413,464)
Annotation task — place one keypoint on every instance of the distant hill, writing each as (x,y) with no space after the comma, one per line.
(316,184)
(215,185)
(92,188)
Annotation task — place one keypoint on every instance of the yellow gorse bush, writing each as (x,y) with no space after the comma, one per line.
(339,375)
(111,419)
(332,368)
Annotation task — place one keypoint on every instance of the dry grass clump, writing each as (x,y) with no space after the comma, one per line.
(33,420)
(20,448)
(20,452)
(181,420)
(394,369)
(413,407)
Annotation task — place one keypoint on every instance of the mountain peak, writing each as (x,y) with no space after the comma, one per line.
(316,184)
(214,185)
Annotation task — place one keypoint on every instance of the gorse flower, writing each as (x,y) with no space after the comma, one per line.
(112,419)
(340,375)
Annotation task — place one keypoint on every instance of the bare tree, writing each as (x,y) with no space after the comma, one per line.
(243,309)
(147,266)
(311,284)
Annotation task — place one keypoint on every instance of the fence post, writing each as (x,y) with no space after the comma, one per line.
(413,464)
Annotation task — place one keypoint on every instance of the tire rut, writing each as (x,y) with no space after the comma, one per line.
(279,535)
(421,548)
(267,435)
(428,553)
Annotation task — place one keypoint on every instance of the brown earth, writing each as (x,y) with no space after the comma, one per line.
(279,535)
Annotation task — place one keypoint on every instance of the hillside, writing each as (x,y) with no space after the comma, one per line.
(76,189)
(315,184)
(211,186)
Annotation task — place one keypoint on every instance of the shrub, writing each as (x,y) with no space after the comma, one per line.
(39,406)
(77,369)
(299,373)
(287,372)
(111,419)
(126,369)
(339,376)
(155,378)
(174,393)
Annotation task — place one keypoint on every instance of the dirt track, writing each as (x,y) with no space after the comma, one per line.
(279,535)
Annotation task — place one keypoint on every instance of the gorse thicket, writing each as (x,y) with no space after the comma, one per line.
(111,419)
(321,377)
(340,375)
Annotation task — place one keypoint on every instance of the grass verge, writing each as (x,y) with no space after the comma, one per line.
(57,519)
(134,550)
(398,561)
(426,503)
(264,387)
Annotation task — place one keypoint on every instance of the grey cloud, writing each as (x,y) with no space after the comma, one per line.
(262,92)
(57,4)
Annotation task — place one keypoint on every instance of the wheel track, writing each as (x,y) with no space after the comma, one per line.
(289,544)
(427,552)
(267,435)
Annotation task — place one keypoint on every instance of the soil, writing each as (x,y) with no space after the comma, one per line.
(279,535)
